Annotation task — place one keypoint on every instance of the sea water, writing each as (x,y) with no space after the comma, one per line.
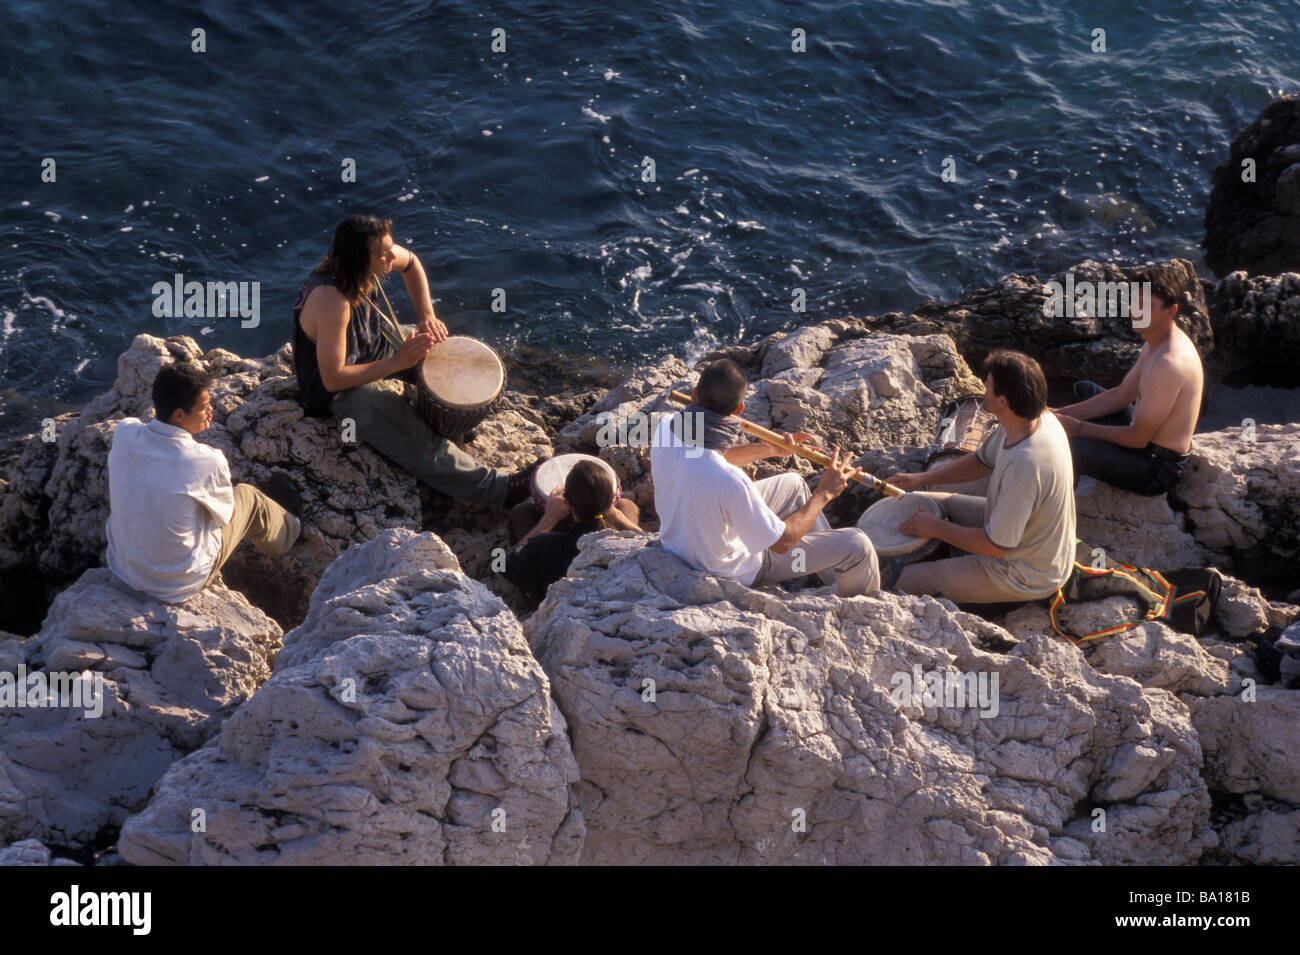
(795,155)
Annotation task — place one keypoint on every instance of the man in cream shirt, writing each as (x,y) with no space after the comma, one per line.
(174,518)
(1019,540)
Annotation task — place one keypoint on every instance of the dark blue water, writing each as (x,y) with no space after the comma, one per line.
(523,170)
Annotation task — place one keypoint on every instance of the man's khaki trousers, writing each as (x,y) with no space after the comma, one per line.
(266,525)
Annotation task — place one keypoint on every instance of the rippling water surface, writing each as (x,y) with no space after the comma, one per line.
(523,170)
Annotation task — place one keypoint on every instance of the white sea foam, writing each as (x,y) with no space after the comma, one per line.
(45,303)
(592,114)
(699,346)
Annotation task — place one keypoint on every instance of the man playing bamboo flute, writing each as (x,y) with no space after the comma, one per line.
(718,521)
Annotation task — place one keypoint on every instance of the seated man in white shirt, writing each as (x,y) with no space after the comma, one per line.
(718,521)
(174,518)
(1019,540)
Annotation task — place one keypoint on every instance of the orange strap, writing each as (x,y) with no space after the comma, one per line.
(1161,595)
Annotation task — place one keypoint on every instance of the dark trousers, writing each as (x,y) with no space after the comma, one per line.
(1140,470)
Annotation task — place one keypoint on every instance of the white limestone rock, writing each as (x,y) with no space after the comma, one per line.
(1249,745)
(777,731)
(67,773)
(30,852)
(1135,529)
(407,722)
(1241,490)
(1152,653)
(1268,835)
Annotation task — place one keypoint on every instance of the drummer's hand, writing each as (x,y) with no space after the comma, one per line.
(434,329)
(921,524)
(837,475)
(907,482)
(413,350)
(557,508)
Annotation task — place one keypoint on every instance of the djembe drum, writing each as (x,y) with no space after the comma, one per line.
(459,384)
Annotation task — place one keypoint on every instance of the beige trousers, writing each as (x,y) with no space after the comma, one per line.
(960,579)
(844,555)
(268,527)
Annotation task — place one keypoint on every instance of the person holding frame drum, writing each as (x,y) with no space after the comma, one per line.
(1019,540)
(587,500)
(346,353)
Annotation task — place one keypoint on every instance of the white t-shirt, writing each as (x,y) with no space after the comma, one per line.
(169,497)
(710,513)
(1030,509)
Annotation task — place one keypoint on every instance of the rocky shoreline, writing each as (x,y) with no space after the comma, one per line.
(382,696)
(764,703)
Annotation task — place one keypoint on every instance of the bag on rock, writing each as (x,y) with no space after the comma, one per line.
(1183,598)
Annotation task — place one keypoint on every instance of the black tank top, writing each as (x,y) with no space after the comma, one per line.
(365,343)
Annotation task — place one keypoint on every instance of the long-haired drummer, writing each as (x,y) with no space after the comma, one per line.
(345,363)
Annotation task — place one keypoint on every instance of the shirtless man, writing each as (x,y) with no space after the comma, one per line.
(1137,435)
(346,354)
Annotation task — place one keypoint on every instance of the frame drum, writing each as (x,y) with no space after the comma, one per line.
(880,522)
(459,383)
(552,474)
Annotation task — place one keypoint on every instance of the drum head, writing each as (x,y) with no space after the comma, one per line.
(552,474)
(880,522)
(463,373)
